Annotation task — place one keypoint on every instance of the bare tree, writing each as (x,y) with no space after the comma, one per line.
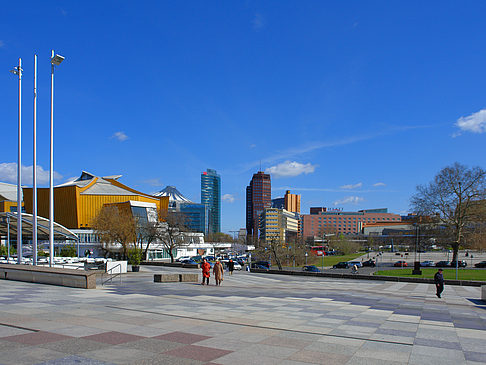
(453,196)
(172,233)
(343,245)
(148,232)
(115,226)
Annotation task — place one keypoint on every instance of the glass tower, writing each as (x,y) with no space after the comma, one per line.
(211,197)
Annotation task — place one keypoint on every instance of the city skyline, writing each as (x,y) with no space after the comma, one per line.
(348,105)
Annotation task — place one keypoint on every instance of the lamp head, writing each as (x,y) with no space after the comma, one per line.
(57,59)
(15,70)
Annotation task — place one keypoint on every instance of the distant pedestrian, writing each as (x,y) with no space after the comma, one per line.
(218,272)
(355,269)
(231,266)
(439,282)
(206,271)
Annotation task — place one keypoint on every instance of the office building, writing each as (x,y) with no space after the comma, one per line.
(211,197)
(196,216)
(258,198)
(334,221)
(278,225)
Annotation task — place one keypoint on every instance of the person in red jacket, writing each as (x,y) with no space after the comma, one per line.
(206,271)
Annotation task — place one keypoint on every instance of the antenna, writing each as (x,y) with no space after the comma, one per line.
(260,165)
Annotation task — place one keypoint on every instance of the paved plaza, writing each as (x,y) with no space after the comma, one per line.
(250,319)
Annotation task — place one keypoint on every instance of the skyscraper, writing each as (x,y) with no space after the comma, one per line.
(211,197)
(258,197)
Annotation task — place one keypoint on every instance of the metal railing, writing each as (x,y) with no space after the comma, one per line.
(110,272)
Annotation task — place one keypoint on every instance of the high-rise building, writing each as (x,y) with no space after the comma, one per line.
(211,197)
(292,202)
(258,198)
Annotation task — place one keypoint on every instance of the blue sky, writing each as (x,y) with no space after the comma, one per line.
(350,104)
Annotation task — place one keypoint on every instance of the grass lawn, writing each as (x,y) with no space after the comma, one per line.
(463,274)
(331,260)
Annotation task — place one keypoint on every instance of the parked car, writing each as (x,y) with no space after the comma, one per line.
(266,264)
(182,258)
(461,263)
(369,263)
(189,262)
(443,264)
(480,264)
(400,263)
(236,264)
(310,268)
(357,263)
(342,265)
(427,263)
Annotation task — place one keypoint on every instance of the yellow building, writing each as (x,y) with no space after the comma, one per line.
(8,198)
(77,202)
(278,224)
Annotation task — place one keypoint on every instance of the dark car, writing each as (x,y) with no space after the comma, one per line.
(480,264)
(443,264)
(461,263)
(342,265)
(265,264)
(310,268)
(369,263)
(189,262)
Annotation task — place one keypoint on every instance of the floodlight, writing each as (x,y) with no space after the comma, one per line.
(57,59)
(15,70)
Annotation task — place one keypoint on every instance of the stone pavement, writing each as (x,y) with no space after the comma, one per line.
(250,319)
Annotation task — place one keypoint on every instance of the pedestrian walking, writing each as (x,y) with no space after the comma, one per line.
(439,282)
(355,269)
(231,266)
(218,272)
(206,271)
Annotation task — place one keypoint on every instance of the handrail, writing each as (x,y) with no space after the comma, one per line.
(112,275)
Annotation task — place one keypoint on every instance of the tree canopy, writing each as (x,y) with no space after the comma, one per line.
(455,198)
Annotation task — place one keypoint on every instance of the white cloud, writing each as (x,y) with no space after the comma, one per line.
(228,198)
(153,182)
(8,173)
(349,200)
(475,123)
(352,186)
(121,136)
(252,145)
(379,184)
(258,22)
(290,168)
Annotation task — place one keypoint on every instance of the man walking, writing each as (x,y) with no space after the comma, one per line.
(231,266)
(439,282)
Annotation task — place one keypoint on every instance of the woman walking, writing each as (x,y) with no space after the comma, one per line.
(218,272)
(206,272)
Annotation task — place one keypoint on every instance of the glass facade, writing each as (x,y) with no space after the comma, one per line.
(211,198)
(196,215)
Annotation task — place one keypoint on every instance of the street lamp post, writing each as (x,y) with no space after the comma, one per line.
(18,71)
(55,61)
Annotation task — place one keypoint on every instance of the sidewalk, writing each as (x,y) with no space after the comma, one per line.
(250,319)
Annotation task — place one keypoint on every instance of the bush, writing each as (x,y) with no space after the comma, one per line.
(68,251)
(134,256)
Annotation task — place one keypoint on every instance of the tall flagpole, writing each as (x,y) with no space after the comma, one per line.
(51,173)
(34,172)
(19,169)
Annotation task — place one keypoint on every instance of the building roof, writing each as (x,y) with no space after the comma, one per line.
(8,222)
(8,192)
(173,194)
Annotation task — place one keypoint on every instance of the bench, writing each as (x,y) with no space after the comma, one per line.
(176,278)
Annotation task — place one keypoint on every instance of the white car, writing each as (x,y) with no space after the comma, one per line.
(236,266)
(427,263)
